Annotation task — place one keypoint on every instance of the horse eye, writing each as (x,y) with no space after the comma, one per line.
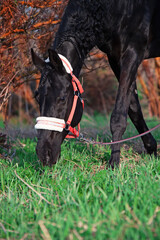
(62,98)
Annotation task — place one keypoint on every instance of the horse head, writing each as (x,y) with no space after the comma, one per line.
(55,96)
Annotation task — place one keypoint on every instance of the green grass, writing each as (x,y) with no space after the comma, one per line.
(81,198)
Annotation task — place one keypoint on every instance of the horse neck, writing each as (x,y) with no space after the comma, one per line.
(75,37)
(69,50)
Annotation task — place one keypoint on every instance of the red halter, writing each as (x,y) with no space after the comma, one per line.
(77,87)
(78,90)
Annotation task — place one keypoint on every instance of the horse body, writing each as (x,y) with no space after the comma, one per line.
(127,31)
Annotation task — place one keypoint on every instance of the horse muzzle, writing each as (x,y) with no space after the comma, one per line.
(48,153)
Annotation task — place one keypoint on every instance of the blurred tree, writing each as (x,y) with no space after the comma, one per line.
(24,24)
(149,77)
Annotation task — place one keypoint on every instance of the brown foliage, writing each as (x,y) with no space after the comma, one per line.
(149,77)
(24,24)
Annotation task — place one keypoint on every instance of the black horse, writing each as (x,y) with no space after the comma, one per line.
(128,32)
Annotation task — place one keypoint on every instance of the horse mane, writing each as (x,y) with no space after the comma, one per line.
(84,20)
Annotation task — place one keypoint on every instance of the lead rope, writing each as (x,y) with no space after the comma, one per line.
(81,138)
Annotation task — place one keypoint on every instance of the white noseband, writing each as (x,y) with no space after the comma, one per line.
(49,123)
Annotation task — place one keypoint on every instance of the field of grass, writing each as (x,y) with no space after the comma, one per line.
(79,198)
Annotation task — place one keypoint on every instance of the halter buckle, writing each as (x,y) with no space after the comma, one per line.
(78,94)
(67,127)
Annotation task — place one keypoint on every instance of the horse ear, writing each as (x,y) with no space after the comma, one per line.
(55,61)
(37,61)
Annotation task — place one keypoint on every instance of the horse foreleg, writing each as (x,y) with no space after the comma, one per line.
(127,78)
(135,113)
